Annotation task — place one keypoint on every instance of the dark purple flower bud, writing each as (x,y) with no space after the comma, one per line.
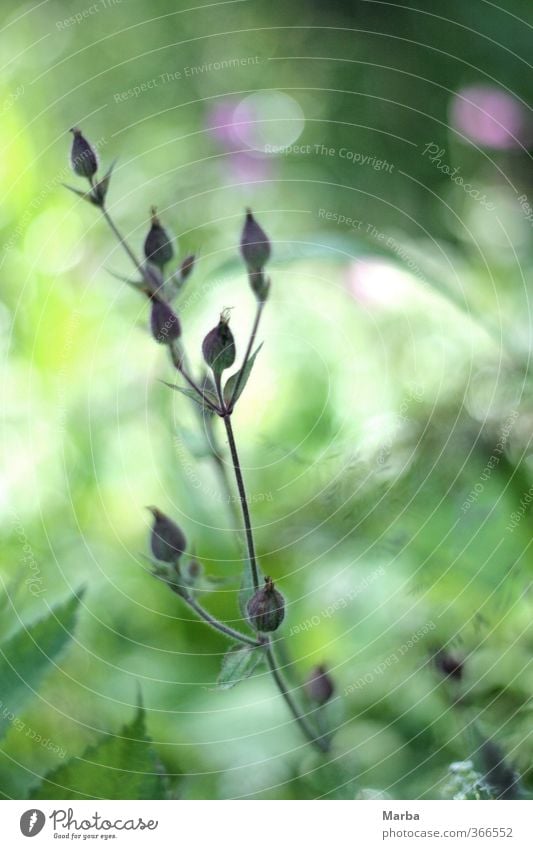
(218,346)
(82,156)
(164,322)
(187,266)
(157,245)
(319,686)
(167,541)
(255,245)
(266,608)
(449,664)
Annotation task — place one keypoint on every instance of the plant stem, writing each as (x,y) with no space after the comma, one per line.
(319,741)
(244,502)
(120,238)
(176,359)
(253,334)
(221,467)
(217,625)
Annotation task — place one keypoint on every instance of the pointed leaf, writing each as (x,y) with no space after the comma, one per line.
(190,393)
(100,189)
(88,196)
(231,383)
(238,664)
(122,766)
(136,284)
(26,657)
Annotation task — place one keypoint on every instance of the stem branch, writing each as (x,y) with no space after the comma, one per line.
(244,502)
(217,625)
(318,741)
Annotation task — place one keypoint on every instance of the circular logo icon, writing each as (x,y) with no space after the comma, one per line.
(32,822)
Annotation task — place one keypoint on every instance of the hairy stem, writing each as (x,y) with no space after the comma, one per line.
(319,741)
(244,502)
(219,626)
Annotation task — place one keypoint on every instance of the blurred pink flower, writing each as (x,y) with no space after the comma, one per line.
(243,166)
(379,283)
(489,116)
(221,123)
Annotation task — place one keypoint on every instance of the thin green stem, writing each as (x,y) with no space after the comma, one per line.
(176,359)
(319,741)
(123,242)
(244,501)
(217,625)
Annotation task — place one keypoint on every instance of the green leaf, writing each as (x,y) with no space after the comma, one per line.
(239,663)
(122,766)
(139,285)
(231,382)
(193,395)
(27,656)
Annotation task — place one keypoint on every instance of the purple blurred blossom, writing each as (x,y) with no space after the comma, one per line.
(243,166)
(489,116)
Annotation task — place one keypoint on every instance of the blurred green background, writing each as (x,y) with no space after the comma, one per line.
(385,432)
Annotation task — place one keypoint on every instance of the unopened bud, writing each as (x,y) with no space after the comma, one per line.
(157,245)
(319,685)
(218,346)
(167,541)
(255,245)
(164,322)
(82,155)
(187,266)
(449,664)
(266,608)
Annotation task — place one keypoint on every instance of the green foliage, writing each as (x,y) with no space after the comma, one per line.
(121,766)
(231,383)
(238,664)
(28,656)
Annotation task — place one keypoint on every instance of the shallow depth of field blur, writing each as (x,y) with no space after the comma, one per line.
(385,430)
